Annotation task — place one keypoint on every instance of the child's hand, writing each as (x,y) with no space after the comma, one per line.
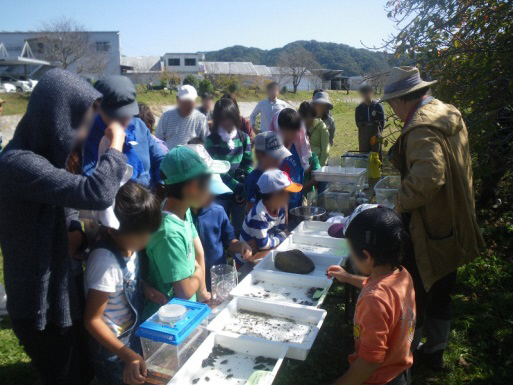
(134,372)
(154,295)
(203,296)
(116,135)
(252,244)
(245,250)
(338,273)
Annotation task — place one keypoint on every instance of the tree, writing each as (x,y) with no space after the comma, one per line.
(67,45)
(295,64)
(169,79)
(204,86)
(468,47)
(191,80)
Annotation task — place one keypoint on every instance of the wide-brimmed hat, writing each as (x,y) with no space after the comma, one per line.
(322,97)
(403,81)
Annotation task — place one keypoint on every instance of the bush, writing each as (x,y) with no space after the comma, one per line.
(233,87)
(205,85)
(284,89)
(191,80)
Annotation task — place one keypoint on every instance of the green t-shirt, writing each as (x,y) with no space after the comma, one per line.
(171,255)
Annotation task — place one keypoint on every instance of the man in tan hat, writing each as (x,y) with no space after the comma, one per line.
(436,199)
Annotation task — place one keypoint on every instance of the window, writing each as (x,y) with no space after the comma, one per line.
(173,62)
(102,46)
(190,62)
(40,48)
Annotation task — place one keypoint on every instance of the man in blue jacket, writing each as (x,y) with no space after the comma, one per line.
(141,150)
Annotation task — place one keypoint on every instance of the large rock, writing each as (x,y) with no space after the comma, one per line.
(294,261)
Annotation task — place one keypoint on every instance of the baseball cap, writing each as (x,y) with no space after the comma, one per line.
(338,230)
(217,186)
(119,96)
(187,162)
(187,92)
(276,180)
(271,144)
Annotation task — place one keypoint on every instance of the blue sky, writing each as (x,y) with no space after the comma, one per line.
(150,27)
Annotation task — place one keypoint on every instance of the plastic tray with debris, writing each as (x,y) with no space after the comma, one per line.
(284,288)
(288,325)
(225,360)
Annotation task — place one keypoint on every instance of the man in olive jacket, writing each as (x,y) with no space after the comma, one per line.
(436,199)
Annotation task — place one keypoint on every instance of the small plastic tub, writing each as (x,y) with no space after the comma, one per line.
(386,190)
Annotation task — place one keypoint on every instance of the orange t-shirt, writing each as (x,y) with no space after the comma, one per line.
(384,323)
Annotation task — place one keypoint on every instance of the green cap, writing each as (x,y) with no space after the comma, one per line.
(187,162)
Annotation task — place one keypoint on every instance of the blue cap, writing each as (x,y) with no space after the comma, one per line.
(217,186)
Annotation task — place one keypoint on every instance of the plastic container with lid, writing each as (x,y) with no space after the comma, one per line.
(338,198)
(171,335)
(339,174)
(386,190)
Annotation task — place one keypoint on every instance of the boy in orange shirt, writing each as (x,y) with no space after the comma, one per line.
(384,319)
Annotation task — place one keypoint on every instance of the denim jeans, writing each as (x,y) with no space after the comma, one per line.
(236,213)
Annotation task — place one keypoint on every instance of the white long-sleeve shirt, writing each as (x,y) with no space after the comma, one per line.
(176,131)
(266,109)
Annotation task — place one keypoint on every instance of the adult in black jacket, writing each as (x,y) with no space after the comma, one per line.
(34,190)
(370,120)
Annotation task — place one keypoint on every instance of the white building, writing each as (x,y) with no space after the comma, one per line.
(105,44)
(183,64)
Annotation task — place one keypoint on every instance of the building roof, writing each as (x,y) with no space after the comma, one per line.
(141,63)
(229,68)
(262,70)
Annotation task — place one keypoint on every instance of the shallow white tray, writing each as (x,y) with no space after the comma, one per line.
(321,262)
(317,245)
(299,314)
(314,228)
(287,288)
(240,367)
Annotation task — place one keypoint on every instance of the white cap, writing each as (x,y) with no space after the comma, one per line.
(276,180)
(187,92)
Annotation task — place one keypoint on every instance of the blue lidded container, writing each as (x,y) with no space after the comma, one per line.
(172,335)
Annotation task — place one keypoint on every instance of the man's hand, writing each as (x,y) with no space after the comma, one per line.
(253,246)
(338,273)
(245,250)
(153,294)
(116,135)
(134,372)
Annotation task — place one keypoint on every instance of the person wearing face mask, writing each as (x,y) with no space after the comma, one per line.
(229,143)
(119,104)
(35,188)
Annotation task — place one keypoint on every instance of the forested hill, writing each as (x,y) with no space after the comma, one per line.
(354,61)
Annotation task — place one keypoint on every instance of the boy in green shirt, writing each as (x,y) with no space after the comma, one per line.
(175,254)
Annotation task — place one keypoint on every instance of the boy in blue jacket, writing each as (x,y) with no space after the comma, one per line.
(215,230)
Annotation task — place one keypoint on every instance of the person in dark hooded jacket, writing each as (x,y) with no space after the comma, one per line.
(34,190)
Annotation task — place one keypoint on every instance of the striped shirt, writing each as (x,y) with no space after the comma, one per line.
(177,131)
(103,273)
(267,230)
(240,158)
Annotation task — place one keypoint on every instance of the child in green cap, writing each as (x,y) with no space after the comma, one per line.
(175,254)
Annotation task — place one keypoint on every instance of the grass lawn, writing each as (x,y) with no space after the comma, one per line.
(481,346)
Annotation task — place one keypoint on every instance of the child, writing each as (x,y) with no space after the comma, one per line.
(384,320)
(175,254)
(227,142)
(269,152)
(288,123)
(114,301)
(264,227)
(318,134)
(215,230)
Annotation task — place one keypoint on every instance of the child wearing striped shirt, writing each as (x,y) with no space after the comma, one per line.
(227,142)
(114,301)
(265,225)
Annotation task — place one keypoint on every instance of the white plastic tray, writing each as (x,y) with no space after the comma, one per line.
(339,174)
(321,262)
(193,369)
(314,228)
(299,314)
(317,245)
(287,288)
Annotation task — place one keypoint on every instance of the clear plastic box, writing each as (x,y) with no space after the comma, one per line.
(386,190)
(168,345)
(343,175)
(338,198)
